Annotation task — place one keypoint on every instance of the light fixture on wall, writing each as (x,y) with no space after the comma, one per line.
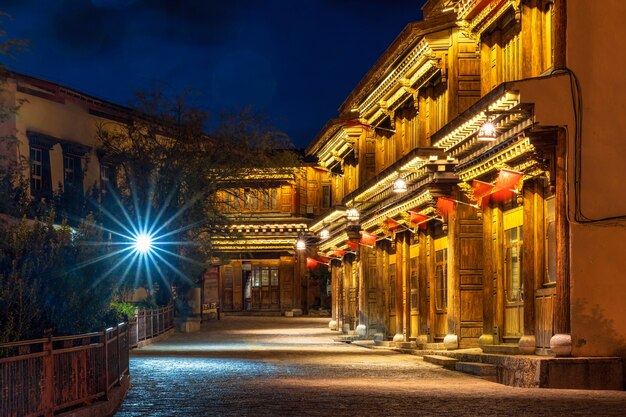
(324,233)
(487,132)
(301,244)
(353,215)
(399,185)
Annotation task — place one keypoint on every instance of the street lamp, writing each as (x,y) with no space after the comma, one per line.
(142,243)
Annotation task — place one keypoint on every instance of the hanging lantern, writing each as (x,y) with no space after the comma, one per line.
(352,214)
(487,132)
(399,185)
(300,244)
(324,234)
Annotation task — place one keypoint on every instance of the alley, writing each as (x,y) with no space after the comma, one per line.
(275,366)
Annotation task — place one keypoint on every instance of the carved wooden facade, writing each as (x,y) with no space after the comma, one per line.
(494,269)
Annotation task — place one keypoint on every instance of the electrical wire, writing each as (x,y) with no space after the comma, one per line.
(577,106)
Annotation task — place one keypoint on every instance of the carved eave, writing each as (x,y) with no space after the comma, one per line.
(425,198)
(394,57)
(338,145)
(513,156)
(458,137)
(328,219)
(252,236)
(480,15)
(415,69)
(411,167)
(337,241)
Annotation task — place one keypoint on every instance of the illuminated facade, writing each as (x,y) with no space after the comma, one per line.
(501,240)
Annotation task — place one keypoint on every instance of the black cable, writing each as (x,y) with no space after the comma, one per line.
(577,105)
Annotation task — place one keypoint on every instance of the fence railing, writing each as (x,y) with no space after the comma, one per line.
(150,323)
(41,377)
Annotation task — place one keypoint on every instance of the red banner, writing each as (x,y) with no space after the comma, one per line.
(445,206)
(392,224)
(311,263)
(353,245)
(419,219)
(481,191)
(368,239)
(323,259)
(508,179)
(339,253)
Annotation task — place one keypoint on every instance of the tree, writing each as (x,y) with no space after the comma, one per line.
(172,159)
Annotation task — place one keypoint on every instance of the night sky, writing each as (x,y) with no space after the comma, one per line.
(295,61)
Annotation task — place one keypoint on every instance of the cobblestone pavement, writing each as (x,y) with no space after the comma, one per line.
(275,366)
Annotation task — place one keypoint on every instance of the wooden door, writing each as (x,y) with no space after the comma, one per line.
(286,283)
(227,287)
(470,278)
(513,290)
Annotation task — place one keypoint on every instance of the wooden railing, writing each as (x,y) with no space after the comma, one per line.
(150,323)
(42,377)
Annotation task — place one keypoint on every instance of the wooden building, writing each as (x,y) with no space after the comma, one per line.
(466,219)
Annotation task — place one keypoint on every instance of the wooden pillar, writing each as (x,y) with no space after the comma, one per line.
(424,307)
(560,33)
(488,279)
(362,292)
(529,265)
(451,340)
(400,254)
(561,342)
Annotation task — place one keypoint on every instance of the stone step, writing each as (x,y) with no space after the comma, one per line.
(503,349)
(446,362)
(347,338)
(475,368)
(405,345)
(385,343)
(431,346)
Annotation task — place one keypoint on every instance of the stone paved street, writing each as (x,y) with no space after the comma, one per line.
(275,366)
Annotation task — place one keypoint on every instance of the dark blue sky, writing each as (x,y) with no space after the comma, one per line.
(294,60)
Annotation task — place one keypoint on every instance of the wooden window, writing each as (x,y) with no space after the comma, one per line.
(414,285)
(246,199)
(325,196)
(36,169)
(511,54)
(105,177)
(265,276)
(441,279)
(274,198)
(513,263)
(266,200)
(550,245)
(255,199)
(69,170)
(256,277)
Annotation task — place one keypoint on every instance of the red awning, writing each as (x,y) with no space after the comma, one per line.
(419,219)
(506,185)
(368,239)
(481,191)
(445,206)
(339,252)
(392,224)
(311,263)
(353,245)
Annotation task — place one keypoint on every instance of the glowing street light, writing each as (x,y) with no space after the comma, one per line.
(142,243)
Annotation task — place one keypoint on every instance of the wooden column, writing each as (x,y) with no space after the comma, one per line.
(560,33)
(562,302)
(400,242)
(406,288)
(488,279)
(454,259)
(424,307)
(529,271)
(362,291)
